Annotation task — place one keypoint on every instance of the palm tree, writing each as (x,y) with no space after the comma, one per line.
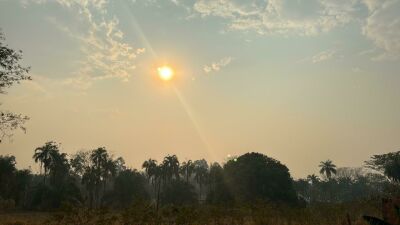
(59,167)
(327,168)
(170,168)
(187,169)
(109,171)
(150,167)
(90,180)
(45,155)
(313,179)
(158,177)
(201,173)
(99,158)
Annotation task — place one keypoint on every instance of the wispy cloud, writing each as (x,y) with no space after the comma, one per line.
(323,56)
(285,17)
(217,66)
(382,26)
(106,54)
(379,19)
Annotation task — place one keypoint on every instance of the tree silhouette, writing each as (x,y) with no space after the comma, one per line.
(314,179)
(129,185)
(327,168)
(11,72)
(150,167)
(90,180)
(79,162)
(59,167)
(46,155)
(219,192)
(170,166)
(7,170)
(388,164)
(102,168)
(187,169)
(201,174)
(254,176)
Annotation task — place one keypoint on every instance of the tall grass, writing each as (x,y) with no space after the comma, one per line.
(246,214)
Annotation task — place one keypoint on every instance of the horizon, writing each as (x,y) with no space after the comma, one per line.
(301,82)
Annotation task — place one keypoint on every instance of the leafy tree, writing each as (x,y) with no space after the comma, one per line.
(119,164)
(327,168)
(254,176)
(11,72)
(388,164)
(79,162)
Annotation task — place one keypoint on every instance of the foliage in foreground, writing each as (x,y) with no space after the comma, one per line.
(142,213)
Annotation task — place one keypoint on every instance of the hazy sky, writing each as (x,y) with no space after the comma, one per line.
(301,81)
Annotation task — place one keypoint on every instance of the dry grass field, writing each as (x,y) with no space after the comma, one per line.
(334,214)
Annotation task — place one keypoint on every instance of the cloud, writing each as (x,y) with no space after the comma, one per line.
(383,27)
(323,56)
(106,55)
(217,66)
(379,19)
(284,17)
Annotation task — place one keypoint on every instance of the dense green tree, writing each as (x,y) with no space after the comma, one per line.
(254,176)
(327,168)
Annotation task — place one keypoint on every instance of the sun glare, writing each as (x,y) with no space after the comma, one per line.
(165,73)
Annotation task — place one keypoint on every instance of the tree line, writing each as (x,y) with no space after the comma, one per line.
(96,179)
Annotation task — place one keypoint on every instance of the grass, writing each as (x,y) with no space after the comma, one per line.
(255,214)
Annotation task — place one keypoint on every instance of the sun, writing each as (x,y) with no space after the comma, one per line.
(165,73)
